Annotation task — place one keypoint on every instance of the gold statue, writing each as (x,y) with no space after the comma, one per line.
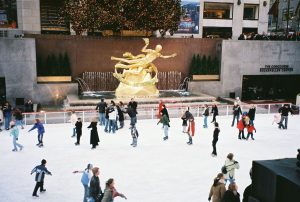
(138,74)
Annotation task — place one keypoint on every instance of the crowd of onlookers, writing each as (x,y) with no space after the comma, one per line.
(272,36)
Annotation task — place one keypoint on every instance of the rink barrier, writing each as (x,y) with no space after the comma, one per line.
(150,113)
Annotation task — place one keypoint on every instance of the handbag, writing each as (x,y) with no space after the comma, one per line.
(224,170)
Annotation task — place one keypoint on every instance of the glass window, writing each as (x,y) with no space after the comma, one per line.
(217,11)
(251,12)
(8,14)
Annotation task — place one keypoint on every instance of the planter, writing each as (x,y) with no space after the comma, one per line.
(206,77)
(53,79)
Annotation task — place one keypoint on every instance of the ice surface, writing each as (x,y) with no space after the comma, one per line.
(155,171)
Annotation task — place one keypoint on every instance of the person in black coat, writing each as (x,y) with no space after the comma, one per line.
(133,104)
(101,106)
(215,112)
(251,114)
(284,111)
(94,139)
(78,126)
(215,140)
(231,195)
(95,188)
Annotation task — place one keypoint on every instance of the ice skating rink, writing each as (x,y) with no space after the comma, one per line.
(155,171)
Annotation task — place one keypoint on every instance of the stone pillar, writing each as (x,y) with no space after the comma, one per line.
(263,16)
(237,19)
(201,19)
(29,19)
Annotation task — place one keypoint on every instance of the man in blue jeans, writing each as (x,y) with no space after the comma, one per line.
(284,111)
(101,106)
(236,113)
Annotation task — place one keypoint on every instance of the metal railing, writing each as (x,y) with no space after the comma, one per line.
(150,113)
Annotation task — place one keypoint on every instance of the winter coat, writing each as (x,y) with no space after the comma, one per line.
(184,120)
(216,134)
(73,119)
(131,112)
(236,110)
(39,126)
(241,125)
(251,128)
(251,113)
(14,132)
(217,192)
(78,126)
(215,111)
(229,196)
(113,113)
(95,188)
(285,111)
(164,111)
(101,107)
(110,194)
(133,105)
(191,128)
(7,111)
(40,171)
(1,116)
(206,112)
(164,120)
(86,177)
(94,139)
(120,114)
(231,165)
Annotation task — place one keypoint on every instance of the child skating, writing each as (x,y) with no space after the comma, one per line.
(40,171)
(250,129)
(78,127)
(41,131)
(134,135)
(15,134)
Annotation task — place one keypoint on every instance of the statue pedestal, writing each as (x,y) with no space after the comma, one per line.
(126,91)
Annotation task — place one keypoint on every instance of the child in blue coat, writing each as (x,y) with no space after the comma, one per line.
(41,131)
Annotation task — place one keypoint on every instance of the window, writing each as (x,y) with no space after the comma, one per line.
(251,11)
(217,11)
(8,14)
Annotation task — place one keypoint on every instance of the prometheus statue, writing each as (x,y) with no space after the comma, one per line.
(137,74)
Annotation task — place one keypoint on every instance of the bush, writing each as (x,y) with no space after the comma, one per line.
(54,66)
(204,65)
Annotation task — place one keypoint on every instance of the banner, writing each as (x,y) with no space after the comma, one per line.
(189,21)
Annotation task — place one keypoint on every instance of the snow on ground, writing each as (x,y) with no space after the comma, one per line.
(155,171)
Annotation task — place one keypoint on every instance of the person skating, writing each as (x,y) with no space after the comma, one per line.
(41,131)
(40,171)
(205,114)
(94,138)
(184,122)
(110,191)
(251,114)
(78,126)
(15,134)
(164,111)
(230,165)
(191,130)
(232,195)
(96,193)
(218,189)
(7,113)
(134,135)
(132,114)
(236,113)
(215,112)
(133,104)
(101,106)
(85,180)
(113,117)
(165,121)
(284,111)
(107,123)
(215,139)
(277,119)
(250,129)
(160,107)
(73,120)
(241,126)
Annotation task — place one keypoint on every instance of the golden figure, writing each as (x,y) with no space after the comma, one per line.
(138,74)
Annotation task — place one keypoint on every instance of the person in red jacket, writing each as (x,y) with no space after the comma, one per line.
(160,107)
(250,129)
(191,130)
(241,126)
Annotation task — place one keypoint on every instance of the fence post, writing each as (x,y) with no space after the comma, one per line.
(83,117)
(198,111)
(227,110)
(152,113)
(25,120)
(269,109)
(45,117)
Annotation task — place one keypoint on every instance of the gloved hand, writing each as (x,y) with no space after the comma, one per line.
(209,198)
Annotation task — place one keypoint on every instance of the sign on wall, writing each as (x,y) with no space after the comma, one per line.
(189,21)
(276,68)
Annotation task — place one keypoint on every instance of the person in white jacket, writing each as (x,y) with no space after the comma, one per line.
(230,165)
(73,120)
(1,118)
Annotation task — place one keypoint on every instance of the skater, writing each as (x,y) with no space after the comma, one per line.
(18,117)
(113,117)
(101,106)
(241,126)
(284,111)
(248,191)
(110,191)
(96,193)
(218,189)
(215,140)
(132,114)
(236,113)
(250,129)
(164,111)
(165,121)
(133,104)
(78,126)
(40,171)
(191,130)
(1,118)
(205,114)
(277,119)
(134,135)
(251,114)
(73,121)
(232,195)
(15,133)
(107,123)
(215,112)
(41,131)
(7,112)
(120,108)
(94,139)
(160,107)
(230,165)
(185,118)
(85,180)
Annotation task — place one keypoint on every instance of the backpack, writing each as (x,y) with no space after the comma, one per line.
(224,170)
(85,178)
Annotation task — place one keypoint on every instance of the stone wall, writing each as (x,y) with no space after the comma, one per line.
(246,58)
(29,19)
